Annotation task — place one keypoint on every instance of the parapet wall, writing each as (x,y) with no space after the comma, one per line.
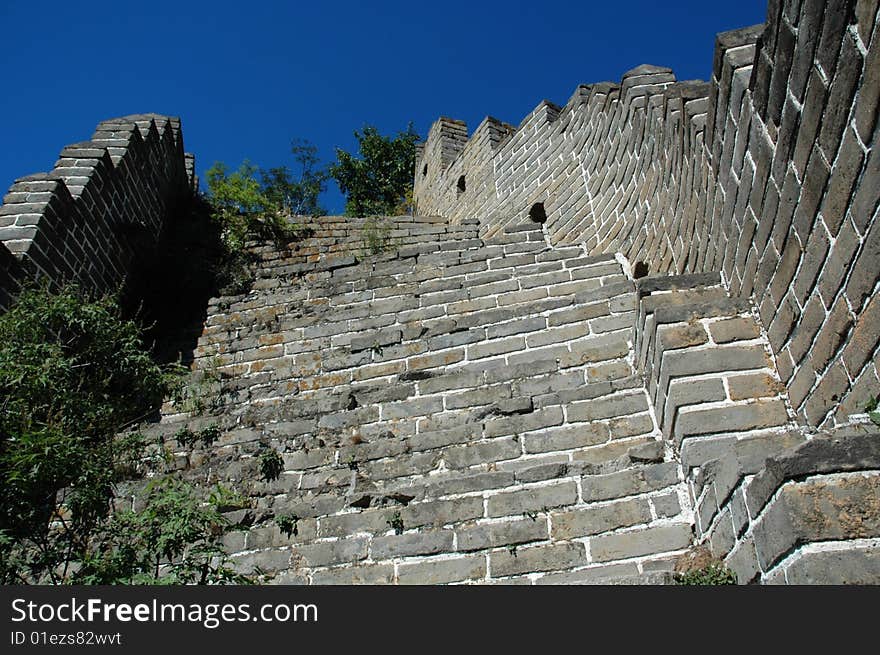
(769,174)
(105,201)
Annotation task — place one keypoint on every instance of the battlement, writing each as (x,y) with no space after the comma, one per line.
(104,202)
(767,173)
(639,323)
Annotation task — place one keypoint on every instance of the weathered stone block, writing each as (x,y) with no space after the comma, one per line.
(532,500)
(601,518)
(443,571)
(629,482)
(493,535)
(636,543)
(554,557)
(405,545)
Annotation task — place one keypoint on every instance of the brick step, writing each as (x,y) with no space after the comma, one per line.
(709,369)
(432,314)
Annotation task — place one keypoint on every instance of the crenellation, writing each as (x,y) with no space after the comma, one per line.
(641,322)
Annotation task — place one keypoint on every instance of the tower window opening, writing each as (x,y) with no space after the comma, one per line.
(537,213)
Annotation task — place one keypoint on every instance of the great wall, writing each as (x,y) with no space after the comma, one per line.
(642,322)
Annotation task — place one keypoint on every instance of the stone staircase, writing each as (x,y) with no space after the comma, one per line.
(459,410)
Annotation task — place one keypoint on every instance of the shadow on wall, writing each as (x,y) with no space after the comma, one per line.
(170,285)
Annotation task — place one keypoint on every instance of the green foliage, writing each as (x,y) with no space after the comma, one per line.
(376,236)
(395,522)
(871,410)
(378,180)
(297,197)
(288,524)
(254,203)
(186,438)
(712,574)
(174,539)
(73,375)
(271,464)
(195,393)
(243,208)
(226,499)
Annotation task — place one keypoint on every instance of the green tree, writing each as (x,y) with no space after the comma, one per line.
(297,197)
(261,203)
(73,374)
(242,208)
(376,182)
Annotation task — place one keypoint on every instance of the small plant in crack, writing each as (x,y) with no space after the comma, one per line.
(531,515)
(396,523)
(271,464)
(187,438)
(288,524)
(512,549)
(713,574)
(872,411)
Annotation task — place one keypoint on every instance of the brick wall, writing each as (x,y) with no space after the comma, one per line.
(101,206)
(808,516)
(768,174)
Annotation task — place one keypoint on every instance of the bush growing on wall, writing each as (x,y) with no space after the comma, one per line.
(262,203)
(73,374)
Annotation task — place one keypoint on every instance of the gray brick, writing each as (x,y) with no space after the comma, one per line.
(761,414)
(482,452)
(566,438)
(441,512)
(461,483)
(532,500)
(629,482)
(579,313)
(592,575)
(361,574)
(666,505)
(524,423)
(342,551)
(554,557)
(342,525)
(414,407)
(600,518)
(404,545)
(637,543)
(493,535)
(457,569)
(516,327)
(854,565)
(594,410)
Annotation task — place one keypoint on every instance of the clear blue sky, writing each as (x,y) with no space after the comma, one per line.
(247,77)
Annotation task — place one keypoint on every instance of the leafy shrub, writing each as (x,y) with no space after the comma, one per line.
(174,539)
(73,375)
(376,236)
(245,209)
(872,412)
(271,464)
(713,574)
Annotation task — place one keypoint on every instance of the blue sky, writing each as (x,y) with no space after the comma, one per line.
(247,77)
